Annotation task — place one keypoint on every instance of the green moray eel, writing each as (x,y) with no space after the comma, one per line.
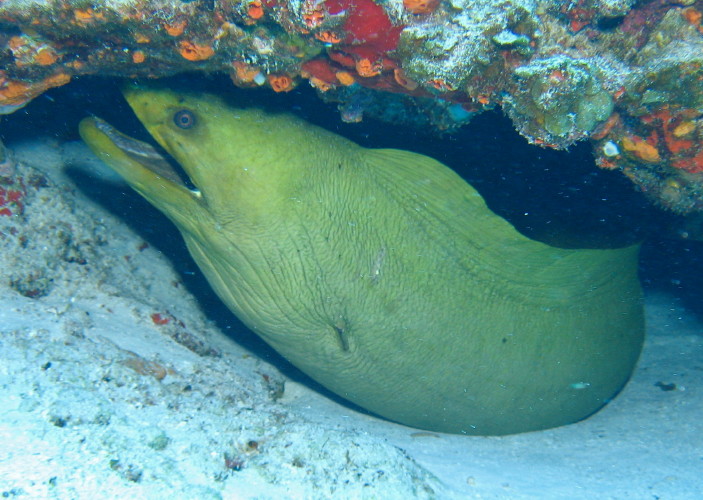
(381,273)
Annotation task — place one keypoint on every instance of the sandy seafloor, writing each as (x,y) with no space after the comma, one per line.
(98,400)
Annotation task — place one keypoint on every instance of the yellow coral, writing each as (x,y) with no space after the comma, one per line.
(641,149)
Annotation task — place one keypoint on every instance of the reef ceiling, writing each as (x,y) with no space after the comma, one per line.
(625,75)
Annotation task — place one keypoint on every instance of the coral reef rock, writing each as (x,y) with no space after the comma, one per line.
(626,75)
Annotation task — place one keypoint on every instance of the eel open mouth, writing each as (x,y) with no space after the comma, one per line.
(157,161)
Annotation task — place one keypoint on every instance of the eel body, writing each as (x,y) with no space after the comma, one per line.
(381,273)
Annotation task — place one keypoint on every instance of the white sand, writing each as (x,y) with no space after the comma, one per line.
(98,401)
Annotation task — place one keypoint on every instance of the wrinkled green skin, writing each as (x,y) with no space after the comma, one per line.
(384,276)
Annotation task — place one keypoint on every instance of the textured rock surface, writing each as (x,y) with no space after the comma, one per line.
(625,75)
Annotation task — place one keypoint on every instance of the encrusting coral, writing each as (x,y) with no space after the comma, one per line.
(594,70)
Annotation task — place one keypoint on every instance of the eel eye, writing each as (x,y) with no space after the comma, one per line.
(184,119)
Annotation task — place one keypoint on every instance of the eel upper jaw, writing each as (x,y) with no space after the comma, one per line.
(144,154)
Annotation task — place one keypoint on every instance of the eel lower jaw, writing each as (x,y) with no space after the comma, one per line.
(146,155)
